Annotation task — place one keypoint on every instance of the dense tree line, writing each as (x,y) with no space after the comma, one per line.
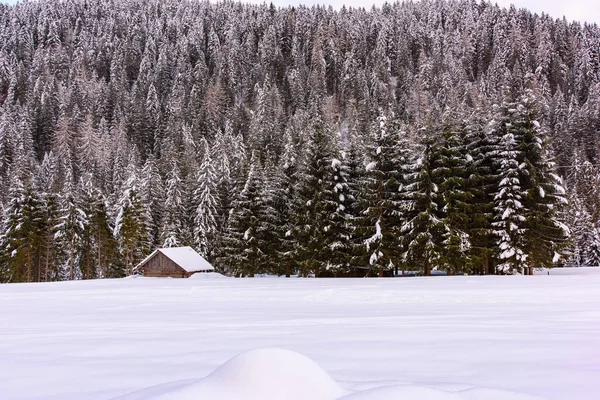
(438,134)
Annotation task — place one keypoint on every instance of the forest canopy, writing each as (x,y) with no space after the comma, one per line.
(449,135)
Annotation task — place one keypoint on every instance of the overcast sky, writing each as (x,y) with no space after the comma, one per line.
(581,10)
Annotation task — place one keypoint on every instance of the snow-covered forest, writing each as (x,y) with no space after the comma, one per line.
(448,135)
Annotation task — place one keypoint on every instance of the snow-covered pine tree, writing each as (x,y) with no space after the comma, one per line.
(46,185)
(21,234)
(171,230)
(132,228)
(421,233)
(152,193)
(450,171)
(282,198)
(336,229)
(353,155)
(69,231)
(482,148)
(509,208)
(545,198)
(272,221)
(243,249)
(380,200)
(310,201)
(206,202)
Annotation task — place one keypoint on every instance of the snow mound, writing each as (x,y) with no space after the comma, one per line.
(207,275)
(425,393)
(568,271)
(263,374)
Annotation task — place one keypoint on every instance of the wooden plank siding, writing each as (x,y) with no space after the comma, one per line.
(162,266)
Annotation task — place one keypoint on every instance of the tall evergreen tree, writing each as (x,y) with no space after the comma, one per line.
(206,201)
(244,246)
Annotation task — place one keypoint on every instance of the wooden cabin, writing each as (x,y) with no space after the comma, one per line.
(174,262)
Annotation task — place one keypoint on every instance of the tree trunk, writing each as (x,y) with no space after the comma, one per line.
(29,265)
(99,266)
(486,267)
(287,271)
(428,270)
(47,261)
(381,272)
(71,267)
(39,264)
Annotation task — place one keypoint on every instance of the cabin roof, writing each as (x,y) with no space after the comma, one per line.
(184,257)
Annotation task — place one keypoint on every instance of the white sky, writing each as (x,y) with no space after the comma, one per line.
(581,10)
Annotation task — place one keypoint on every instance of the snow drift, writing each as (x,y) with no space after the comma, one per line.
(278,374)
(263,374)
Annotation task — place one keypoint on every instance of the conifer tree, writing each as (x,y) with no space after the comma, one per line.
(422,232)
(545,198)
(171,231)
(21,234)
(283,197)
(509,210)
(455,198)
(70,230)
(132,229)
(482,150)
(206,203)
(310,207)
(244,247)
(336,230)
(381,200)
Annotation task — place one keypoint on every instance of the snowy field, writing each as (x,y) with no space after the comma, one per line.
(430,338)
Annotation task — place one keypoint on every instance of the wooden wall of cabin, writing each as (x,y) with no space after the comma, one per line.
(162,266)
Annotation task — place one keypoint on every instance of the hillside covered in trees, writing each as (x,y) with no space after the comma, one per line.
(449,135)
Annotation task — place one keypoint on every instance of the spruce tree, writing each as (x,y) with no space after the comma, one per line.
(381,200)
(172,227)
(70,230)
(310,205)
(545,197)
(509,220)
(336,230)
(131,228)
(423,231)
(455,197)
(206,202)
(244,247)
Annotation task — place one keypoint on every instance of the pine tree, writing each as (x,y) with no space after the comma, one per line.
(132,228)
(509,210)
(482,150)
(381,200)
(336,230)
(244,248)
(422,232)
(206,202)
(152,193)
(455,198)
(69,232)
(171,231)
(310,207)
(545,198)
(282,199)
(21,234)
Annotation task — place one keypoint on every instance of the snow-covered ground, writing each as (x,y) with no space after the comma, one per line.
(428,338)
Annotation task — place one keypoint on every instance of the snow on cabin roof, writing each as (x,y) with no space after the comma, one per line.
(185,257)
